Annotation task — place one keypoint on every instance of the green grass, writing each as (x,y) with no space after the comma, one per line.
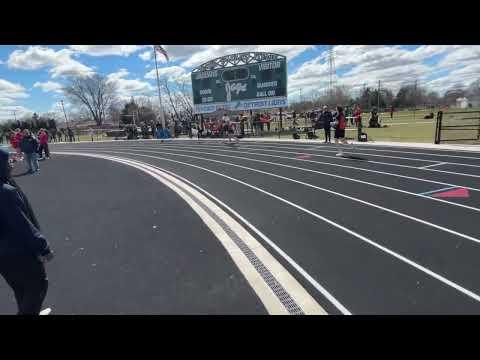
(406,126)
(95,137)
(408,133)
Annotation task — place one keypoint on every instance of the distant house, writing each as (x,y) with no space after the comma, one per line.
(462,103)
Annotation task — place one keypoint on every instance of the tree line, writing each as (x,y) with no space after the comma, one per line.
(96,97)
(34,123)
(407,97)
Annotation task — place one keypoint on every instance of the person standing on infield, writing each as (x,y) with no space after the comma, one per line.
(43,140)
(23,249)
(71,136)
(91,133)
(326,118)
(15,141)
(341,124)
(29,146)
(225,126)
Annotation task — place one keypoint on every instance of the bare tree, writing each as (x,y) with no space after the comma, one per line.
(184,99)
(172,100)
(114,114)
(94,93)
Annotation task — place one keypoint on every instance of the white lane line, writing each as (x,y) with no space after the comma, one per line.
(266,147)
(364,148)
(408,123)
(283,254)
(367,161)
(429,166)
(424,222)
(421,195)
(438,190)
(360,153)
(409,149)
(281,276)
(382,248)
(310,161)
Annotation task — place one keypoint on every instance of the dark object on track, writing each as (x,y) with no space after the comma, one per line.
(354,157)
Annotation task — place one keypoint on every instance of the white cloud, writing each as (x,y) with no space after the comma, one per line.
(464,55)
(392,65)
(49,86)
(6,112)
(458,78)
(129,87)
(12,90)
(10,93)
(145,56)
(107,50)
(6,101)
(38,57)
(183,51)
(118,75)
(172,73)
(210,52)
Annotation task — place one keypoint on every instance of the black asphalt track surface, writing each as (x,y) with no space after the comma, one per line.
(126,244)
(425,261)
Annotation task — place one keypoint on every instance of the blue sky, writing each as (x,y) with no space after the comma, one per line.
(31,77)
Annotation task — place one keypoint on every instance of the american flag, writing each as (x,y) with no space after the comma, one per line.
(161,50)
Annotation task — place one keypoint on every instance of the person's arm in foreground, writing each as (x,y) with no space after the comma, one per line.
(21,228)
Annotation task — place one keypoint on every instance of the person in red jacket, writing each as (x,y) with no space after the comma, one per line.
(15,141)
(357,114)
(43,141)
(340,129)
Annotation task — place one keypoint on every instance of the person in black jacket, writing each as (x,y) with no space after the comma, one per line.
(29,146)
(23,249)
(326,118)
(71,136)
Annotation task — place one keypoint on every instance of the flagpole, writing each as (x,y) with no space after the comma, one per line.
(162,114)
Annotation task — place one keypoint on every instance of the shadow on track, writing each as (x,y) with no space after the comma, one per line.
(354,157)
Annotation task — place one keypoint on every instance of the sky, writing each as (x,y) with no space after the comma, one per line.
(32,77)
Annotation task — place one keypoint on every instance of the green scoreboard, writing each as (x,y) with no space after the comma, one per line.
(244,81)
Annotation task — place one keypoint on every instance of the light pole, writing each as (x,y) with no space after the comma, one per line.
(378,97)
(162,114)
(64,113)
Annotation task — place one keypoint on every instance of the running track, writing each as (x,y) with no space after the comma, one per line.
(363,234)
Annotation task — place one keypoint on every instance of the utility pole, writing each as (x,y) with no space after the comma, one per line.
(64,113)
(331,69)
(162,113)
(301,98)
(15,114)
(378,97)
(361,95)
(415,99)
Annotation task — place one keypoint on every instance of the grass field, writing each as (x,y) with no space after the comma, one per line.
(406,126)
